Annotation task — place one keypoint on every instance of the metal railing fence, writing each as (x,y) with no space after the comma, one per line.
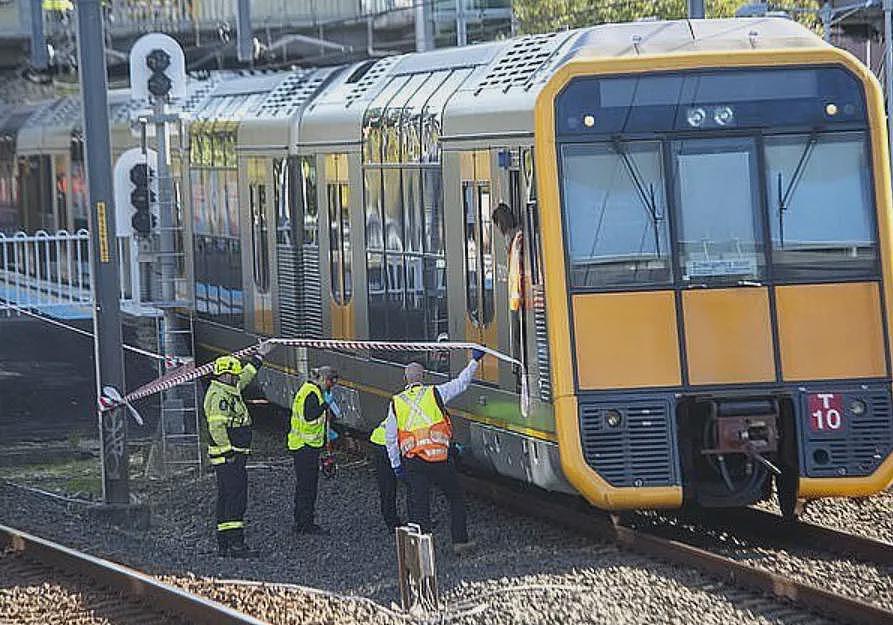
(50,271)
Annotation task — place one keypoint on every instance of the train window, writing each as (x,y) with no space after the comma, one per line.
(217,249)
(471,252)
(308,195)
(615,214)
(820,207)
(282,200)
(393,122)
(257,194)
(344,195)
(374,231)
(411,119)
(432,192)
(718,245)
(412,209)
(334,206)
(432,115)
(393,210)
(488,273)
(395,280)
(532,217)
(374,121)
(61,168)
(230,216)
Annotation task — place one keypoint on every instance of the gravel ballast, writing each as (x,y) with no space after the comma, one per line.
(32,594)
(523,571)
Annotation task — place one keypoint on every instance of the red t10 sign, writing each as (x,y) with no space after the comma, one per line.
(825,412)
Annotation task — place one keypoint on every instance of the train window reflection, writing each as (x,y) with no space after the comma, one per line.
(308,195)
(820,209)
(615,214)
(718,229)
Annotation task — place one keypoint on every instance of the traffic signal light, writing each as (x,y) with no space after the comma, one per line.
(159,83)
(141,198)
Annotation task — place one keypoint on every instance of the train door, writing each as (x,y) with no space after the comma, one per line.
(337,198)
(36,186)
(61,218)
(513,255)
(260,215)
(480,270)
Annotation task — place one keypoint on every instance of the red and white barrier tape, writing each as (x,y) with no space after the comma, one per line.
(188,372)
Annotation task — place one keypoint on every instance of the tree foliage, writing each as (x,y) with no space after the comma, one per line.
(537,16)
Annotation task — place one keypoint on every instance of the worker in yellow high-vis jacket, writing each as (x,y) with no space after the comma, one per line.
(229,429)
(384,475)
(306,437)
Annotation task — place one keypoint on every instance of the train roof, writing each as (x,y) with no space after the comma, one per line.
(232,99)
(275,123)
(335,117)
(499,99)
(492,87)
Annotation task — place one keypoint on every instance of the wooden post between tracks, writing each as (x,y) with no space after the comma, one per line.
(125,580)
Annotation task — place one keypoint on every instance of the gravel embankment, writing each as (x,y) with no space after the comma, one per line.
(869,516)
(524,571)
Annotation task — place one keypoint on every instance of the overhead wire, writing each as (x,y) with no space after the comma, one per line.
(76,330)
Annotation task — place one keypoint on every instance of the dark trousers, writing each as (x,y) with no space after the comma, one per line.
(387,485)
(306,461)
(232,498)
(420,475)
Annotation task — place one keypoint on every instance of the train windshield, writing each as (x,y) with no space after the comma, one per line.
(742,174)
(617,191)
(820,208)
(716,196)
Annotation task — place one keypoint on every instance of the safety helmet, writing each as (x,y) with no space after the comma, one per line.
(227,364)
(327,373)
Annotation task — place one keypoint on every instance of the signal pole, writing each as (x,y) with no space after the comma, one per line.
(244,34)
(103,249)
(695,9)
(39,56)
(461,24)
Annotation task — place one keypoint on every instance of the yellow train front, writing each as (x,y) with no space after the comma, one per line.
(716,227)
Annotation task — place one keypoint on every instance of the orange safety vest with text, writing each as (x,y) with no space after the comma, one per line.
(515,285)
(423,426)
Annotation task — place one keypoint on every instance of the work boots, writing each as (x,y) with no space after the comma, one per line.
(230,546)
(241,550)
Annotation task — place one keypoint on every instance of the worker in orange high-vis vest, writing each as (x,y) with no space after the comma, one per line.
(508,225)
(418,434)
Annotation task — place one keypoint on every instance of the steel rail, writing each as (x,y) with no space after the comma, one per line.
(132,584)
(604,526)
(772,527)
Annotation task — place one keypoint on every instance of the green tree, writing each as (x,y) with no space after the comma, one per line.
(537,16)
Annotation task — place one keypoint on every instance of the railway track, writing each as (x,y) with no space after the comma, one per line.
(774,529)
(103,589)
(648,541)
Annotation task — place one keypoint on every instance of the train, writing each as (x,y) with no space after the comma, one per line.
(705,214)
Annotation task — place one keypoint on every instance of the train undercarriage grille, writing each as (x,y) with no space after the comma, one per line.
(630,442)
(856,449)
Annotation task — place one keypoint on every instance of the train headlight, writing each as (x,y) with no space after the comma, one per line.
(857,407)
(723,115)
(696,117)
(589,121)
(613,418)
(831,109)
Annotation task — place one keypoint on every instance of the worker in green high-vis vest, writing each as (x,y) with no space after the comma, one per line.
(387,481)
(305,440)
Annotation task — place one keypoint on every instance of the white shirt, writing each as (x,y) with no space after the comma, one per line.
(448,391)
